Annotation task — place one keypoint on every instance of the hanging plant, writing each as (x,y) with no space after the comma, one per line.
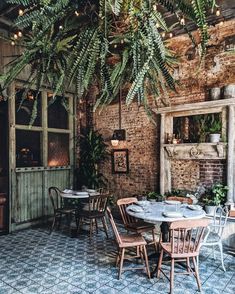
(70,43)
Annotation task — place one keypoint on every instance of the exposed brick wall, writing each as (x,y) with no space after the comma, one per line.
(143,136)
(190,174)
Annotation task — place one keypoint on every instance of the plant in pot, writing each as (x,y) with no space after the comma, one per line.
(214,197)
(154,196)
(215,127)
(93,152)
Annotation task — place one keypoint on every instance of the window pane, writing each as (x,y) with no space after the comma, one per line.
(57,113)
(28,103)
(58,149)
(28,148)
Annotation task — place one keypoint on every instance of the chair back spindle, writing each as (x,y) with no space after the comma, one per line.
(186,236)
(114,227)
(122,205)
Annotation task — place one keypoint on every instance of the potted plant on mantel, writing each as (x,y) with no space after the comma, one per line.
(215,127)
(214,197)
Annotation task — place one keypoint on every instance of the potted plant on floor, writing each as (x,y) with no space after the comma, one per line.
(214,197)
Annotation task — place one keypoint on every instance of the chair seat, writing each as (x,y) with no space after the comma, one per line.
(139,227)
(131,240)
(182,251)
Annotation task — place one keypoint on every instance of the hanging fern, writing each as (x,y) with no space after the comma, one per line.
(68,44)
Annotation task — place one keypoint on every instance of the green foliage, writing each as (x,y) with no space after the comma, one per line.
(68,43)
(93,151)
(155,196)
(216,195)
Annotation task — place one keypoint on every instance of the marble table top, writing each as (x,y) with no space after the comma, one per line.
(154,212)
(73,194)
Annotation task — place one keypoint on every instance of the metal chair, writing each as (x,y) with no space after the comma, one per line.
(184,244)
(216,228)
(126,242)
(132,224)
(94,211)
(58,208)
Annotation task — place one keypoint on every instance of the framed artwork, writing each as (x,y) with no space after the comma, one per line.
(120,161)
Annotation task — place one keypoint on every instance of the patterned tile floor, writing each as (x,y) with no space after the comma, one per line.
(32,261)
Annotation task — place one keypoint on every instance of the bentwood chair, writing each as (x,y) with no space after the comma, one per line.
(216,228)
(95,211)
(131,224)
(185,240)
(126,242)
(59,209)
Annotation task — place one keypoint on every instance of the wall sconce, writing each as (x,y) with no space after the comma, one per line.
(120,134)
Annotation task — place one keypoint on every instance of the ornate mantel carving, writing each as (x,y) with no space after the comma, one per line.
(196,151)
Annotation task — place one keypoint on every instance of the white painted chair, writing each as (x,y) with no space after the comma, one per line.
(215,233)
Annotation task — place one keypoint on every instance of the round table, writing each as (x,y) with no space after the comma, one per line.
(73,194)
(153,213)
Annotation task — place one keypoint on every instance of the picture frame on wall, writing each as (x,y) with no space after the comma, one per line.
(120,161)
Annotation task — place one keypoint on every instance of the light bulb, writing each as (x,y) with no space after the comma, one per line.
(15,36)
(12,43)
(77,13)
(20,34)
(114,142)
(217,13)
(21,12)
(157,25)
(61,27)
(221,23)
(122,41)
(170,35)
(163,34)
(154,7)
(115,46)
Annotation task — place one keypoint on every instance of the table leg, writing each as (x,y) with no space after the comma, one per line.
(165,238)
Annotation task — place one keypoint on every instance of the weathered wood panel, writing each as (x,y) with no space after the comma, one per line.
(30,200)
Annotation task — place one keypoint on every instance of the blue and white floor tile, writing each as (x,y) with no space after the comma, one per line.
(32,262)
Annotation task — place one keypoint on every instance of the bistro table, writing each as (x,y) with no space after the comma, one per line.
(154,212)
(73,194)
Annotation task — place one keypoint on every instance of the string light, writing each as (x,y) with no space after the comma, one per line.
(115,46)
(163,34)
(15,36)
(171,35)
(155,7)
(157,25)
(77,13)
(221,22)
(217,13)
(122,41)
(61,27)
(20,34)
(21,12)
(12,43)
(182,21)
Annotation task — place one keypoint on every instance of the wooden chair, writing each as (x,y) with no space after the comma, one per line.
(126,242)
(95,211)
(184,244)
(134,225)
(181,199)
(59,210)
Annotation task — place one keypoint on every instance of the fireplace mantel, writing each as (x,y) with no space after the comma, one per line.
(187,151)
(193,151)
